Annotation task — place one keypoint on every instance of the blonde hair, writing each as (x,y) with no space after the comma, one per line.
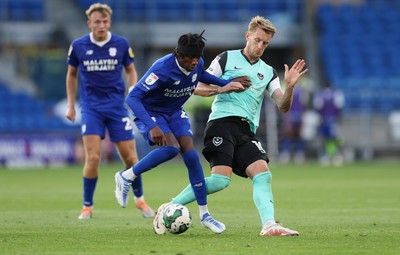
(263,23)
(104,9)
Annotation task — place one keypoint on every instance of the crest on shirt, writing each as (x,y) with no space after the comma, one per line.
(217,141)
(112,51)
(194,77)
(151,79)
(131,53)
(260,76)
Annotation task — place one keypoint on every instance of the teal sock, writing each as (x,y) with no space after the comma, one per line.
(262,196)
(214,183)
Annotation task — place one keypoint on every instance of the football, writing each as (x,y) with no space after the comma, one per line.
(177,218)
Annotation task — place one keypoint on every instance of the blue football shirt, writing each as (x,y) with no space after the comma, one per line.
(165,87)
(100,70)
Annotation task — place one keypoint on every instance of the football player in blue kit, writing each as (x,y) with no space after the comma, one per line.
(100,58)
(156,102)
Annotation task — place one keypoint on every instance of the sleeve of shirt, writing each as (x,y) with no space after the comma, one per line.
(217,66)
(72,58)
(149,82)
(129,56)
(215,70)
(134,101)
(274,83)
(208,78)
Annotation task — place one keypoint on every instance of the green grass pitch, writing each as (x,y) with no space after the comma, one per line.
(353,209)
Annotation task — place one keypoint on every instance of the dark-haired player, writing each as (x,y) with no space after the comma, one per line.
(156,102)
(100,58)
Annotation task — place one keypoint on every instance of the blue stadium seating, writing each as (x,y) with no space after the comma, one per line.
(360,53)
(20,112)
(22,10)
(195,11)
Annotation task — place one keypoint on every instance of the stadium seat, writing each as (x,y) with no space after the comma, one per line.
(136,10)
(17,10)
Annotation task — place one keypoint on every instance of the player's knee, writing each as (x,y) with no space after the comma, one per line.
(93,159)
(170,151)
(217,182)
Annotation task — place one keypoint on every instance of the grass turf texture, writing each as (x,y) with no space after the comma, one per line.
(354,209)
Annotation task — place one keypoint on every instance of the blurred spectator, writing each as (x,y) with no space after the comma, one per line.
(329,102)
(292,126)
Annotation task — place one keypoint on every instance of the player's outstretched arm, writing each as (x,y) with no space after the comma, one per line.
(237,84)
(292,75)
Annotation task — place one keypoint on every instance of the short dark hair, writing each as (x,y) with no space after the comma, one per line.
(191,45)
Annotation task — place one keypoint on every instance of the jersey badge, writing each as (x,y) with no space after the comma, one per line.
(177,82)
(131,53)
(151,79)
(89,52)
(194,77)
(112,51)
(217,141)
(260,76)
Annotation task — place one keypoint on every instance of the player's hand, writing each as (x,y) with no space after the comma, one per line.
(244,80)
(231,87)
(70,114)
(293,74)
(158,136)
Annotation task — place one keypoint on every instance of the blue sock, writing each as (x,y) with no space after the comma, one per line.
(137,186)
(300,144)
(285,144)
(196,176)
(89,185)
(154,158)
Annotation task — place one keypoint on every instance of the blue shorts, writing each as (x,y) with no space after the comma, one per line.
(329,129)
(178,123)
(115,120)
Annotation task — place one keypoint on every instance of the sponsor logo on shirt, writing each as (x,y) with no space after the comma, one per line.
(151,79)
(179,92)
(100,64)
(89,52)
(260,76)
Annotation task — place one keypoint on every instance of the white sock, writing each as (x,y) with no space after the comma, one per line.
(129,174)
(203,210)
(138,198)
(269,223)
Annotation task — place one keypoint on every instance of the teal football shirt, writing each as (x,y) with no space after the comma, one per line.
(246,104)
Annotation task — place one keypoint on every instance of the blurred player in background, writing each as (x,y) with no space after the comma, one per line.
(156,102)
(230,144)
(100,58)
(292,123)
(329,103)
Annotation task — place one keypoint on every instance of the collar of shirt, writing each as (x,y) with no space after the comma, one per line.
(181,68)
(102,43)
